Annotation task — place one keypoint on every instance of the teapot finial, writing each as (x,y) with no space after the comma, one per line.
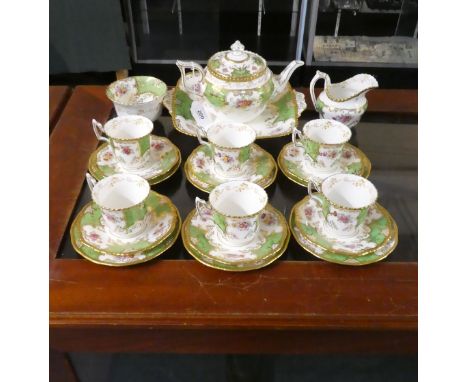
(237,46)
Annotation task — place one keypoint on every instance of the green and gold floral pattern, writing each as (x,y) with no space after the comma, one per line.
(161,221)
(101,257)
(375,239)
(198,168)
(292,162)
(278,119)
(201,240)
(165,159)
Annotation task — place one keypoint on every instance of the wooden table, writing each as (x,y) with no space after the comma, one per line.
(179,305)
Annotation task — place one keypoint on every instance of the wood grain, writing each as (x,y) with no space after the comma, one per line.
(394,101)
(58,97)
(70,144)
(184,293)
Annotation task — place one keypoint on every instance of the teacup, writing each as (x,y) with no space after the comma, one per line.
(323,141)
(129,137)
(234,207)
(346,199)
(139,95)
(121,201)
(230,145)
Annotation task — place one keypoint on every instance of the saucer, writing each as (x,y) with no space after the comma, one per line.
(90,239)
(162,221)
(277,120)
(293,163)
(201,239)
(200,172)
(375,239)
(121,261)
(165,161)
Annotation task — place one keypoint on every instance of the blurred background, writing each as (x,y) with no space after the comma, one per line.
(90,41)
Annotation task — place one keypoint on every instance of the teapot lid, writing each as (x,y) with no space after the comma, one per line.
(237,64)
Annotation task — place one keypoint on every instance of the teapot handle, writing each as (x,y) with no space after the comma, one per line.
(183,65)
(318,75)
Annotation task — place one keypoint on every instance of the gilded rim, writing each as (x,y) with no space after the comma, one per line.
(366,164)
(129,139)
(352,208)
(95,171)
(393,231)
(192,178)
(238,216)
(390,250)
(151,246)
(180,130)
(240,79)
(347,99)
(200,257)
(158,98)
(170,242)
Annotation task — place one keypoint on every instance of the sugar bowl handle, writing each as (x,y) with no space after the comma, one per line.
(99,131)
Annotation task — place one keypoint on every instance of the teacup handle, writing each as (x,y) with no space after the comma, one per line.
(318,75)
(295,134)
(315,185)
(200,204)
(199,131)
(91,181)
(99,131)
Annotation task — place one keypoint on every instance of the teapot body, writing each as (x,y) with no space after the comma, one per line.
(236,83)
(239,101)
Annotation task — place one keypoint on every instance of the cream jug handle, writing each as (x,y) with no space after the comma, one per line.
(91,181)
(183,65)
(318,75)
(99,131)
(296,133)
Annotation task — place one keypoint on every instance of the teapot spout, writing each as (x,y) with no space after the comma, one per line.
(285,75)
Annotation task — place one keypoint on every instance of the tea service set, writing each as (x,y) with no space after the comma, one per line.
(227,106)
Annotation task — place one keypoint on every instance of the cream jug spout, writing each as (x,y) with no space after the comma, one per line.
(283,78)
(193,81)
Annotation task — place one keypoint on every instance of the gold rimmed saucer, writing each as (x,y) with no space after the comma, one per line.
(166,159)
(293,162)
(262,169)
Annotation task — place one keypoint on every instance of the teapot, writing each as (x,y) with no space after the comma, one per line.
(345,101)
(236,82)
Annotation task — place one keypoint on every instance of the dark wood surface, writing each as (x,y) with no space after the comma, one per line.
(58,97)
(183,306)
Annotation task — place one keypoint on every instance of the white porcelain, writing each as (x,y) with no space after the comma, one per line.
(129,137)
(121,199)
(236,206)
(236,82)
(230,145)
(323,141)
(345,101)
(139,95)
(346,202)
